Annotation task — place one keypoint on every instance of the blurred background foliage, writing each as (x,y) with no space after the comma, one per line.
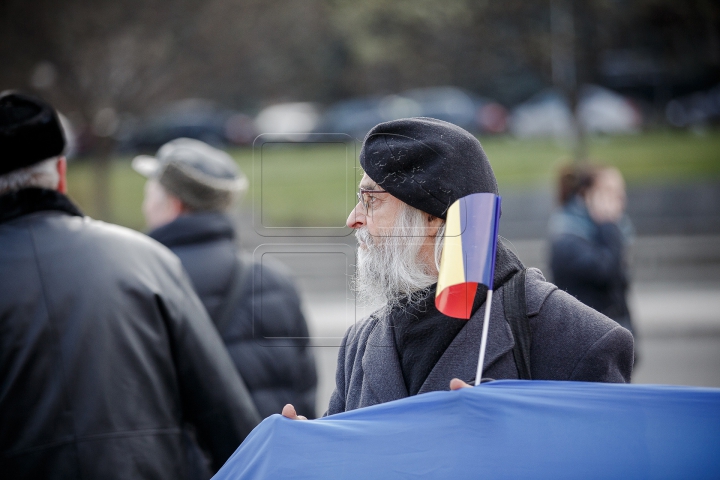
(126,75)
(138,55)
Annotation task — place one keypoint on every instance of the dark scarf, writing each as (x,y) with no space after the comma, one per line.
(422,333)
(30,200)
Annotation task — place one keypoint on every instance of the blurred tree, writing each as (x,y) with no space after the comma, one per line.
(137,55)
(657,48)
(500,49)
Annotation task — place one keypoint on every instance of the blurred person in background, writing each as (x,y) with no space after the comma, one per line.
(106,352)
(190,188)
(589,234)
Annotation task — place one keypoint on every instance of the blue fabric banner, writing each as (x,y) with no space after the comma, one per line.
(506,429)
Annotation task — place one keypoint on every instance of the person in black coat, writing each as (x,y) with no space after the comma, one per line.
(106,352)
(254,306)
(588,235)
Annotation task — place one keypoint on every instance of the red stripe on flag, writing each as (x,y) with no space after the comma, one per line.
(457,300)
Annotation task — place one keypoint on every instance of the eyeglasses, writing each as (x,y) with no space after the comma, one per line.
(366,198)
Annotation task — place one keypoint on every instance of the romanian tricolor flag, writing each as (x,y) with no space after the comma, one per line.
(468,256)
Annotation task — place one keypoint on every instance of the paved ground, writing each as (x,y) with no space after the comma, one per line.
(678,334)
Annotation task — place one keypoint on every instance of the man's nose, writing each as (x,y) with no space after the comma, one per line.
(356,219)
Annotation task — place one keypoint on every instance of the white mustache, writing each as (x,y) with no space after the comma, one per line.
(363,236)
(388,268)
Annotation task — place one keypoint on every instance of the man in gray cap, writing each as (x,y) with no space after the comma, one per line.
(106,352)
(415,169)
(254,306)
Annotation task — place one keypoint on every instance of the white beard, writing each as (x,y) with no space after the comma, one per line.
(389,269)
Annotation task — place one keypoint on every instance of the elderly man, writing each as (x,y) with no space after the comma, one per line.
(190,187)
(106,352)
(414,170)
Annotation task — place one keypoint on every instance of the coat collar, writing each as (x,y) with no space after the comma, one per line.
(194,228)
(384,382)
(381,367)
(461,357)
(30,200)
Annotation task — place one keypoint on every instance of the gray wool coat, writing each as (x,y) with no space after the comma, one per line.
(570,341)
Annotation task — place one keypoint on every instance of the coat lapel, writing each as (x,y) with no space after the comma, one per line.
(383,380)
(460,358)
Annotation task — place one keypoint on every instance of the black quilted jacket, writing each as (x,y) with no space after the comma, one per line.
(276,372)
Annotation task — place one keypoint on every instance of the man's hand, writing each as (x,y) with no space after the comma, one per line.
(289,412)
(455,384)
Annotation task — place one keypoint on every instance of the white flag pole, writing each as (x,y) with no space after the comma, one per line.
(483,342)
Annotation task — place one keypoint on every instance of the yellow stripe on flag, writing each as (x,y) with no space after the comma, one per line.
(452,269)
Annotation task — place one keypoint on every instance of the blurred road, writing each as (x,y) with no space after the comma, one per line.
(678,334)
(675,302)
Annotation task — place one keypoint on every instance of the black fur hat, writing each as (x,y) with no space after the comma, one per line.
(30,131)
(426,163)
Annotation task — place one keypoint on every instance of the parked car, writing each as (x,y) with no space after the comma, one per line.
(545,114)
(292,121)
(357,116)
(599,110)
(473,113)
(698,108)
(191,118)
(354,117)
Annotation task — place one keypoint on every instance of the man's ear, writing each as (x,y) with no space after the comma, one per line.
(434,224)
(177,206)
(61,166)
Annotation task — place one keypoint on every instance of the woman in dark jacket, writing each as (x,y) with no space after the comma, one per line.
(588,236)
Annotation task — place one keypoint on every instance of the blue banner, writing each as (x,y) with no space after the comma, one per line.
(506,429)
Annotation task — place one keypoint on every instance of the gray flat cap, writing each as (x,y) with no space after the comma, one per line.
(201,176)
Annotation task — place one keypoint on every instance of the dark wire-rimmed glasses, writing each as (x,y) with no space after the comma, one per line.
(365,197)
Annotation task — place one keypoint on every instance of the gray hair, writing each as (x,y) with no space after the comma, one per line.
(390,269)
(40,175)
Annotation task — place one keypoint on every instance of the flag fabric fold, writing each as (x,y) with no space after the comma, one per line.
(469,249)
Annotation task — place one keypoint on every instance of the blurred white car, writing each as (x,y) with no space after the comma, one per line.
(603,111)
(295,119)
(599,110)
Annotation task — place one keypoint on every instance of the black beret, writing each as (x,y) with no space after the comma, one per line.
(30,131)
(426,163)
